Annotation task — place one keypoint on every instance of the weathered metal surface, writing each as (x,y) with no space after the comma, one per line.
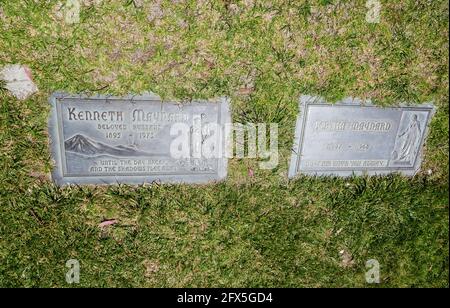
(353,137)
(107,140)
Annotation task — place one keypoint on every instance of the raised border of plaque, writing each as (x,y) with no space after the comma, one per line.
(61,175)
(330,141)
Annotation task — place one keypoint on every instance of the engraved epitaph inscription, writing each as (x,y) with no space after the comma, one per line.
(355,138)
(106,140)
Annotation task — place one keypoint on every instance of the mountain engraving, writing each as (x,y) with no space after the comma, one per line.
(81,144)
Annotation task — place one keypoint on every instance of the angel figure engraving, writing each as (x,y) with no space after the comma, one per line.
(409,141)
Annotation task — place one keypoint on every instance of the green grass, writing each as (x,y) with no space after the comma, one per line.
(248,231)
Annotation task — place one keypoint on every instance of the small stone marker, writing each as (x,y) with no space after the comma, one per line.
(135,140)
(19,81)
(353,137)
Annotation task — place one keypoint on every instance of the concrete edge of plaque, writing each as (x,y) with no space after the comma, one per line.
(60,180)
(306,100)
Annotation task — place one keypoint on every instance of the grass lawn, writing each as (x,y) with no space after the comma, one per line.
(249,231)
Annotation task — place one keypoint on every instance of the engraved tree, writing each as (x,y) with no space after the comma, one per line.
(198,136)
